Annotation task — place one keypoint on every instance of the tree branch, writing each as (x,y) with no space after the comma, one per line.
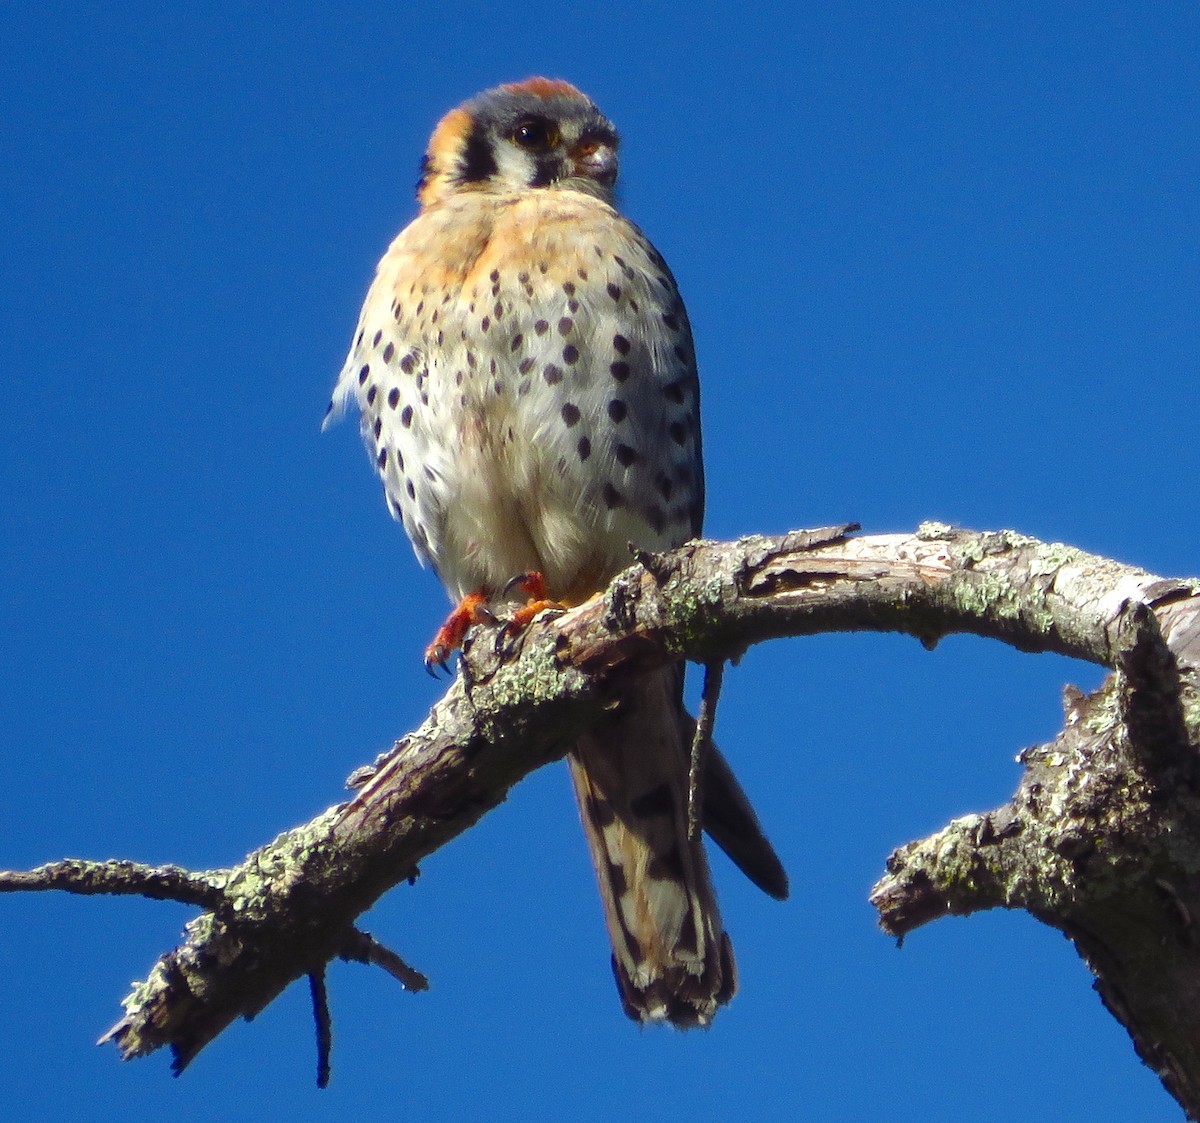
(1101,839)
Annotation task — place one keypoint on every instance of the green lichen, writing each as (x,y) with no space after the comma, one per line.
(1050,557)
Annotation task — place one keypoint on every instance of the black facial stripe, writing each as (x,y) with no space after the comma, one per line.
(547,169)
(478,162)
(423,177)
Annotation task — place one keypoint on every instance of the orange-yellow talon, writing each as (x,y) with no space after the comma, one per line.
(472,609)
(522,617)
(532,584)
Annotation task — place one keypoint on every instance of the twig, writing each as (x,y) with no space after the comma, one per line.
(120,878)
(324,1024)
(706,717)
(361,947)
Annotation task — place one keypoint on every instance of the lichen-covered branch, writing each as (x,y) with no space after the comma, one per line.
(1099,841)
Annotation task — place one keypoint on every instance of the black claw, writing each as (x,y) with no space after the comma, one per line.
(519,580)
(502,635)
(434,662)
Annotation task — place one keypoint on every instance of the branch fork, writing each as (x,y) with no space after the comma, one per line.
(1100,840)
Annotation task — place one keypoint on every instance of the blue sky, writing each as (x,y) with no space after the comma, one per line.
(941,261)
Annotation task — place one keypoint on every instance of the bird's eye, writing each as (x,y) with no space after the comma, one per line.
(535,135)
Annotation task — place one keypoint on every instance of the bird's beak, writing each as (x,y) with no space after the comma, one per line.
(593,160)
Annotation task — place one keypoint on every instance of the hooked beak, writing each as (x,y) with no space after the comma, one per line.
(594,160)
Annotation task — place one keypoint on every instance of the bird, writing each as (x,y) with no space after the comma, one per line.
(526,379)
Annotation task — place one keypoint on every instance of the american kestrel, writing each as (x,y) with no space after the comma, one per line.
(525,374)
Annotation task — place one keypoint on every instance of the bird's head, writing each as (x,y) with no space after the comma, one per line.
(526,135)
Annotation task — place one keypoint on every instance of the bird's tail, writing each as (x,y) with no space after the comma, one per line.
(671,956)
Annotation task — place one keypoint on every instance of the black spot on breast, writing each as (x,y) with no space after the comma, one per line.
(678,432)
(541,327)
(517,340)
(569,288)
(673,391)
(381,459)
(378,427)
(612,497)
(378,337)
(626,455)
(570,414)
(570,354)
(552,374)
(412,491)
(671,321)
(494,275)
(408,363)
(388,352)
(372,391)
(617,410)
(584,447)
(619,370)
(526,365)
(565,325)
(614,291)
(406,415)
(621,345)
(485,323)
(363,373)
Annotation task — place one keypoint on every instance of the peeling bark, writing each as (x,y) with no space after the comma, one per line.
(1101,839)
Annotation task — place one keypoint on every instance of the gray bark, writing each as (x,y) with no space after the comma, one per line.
(1101,839)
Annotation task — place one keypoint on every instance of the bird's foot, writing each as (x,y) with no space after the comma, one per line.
(533,585)
(472,609)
